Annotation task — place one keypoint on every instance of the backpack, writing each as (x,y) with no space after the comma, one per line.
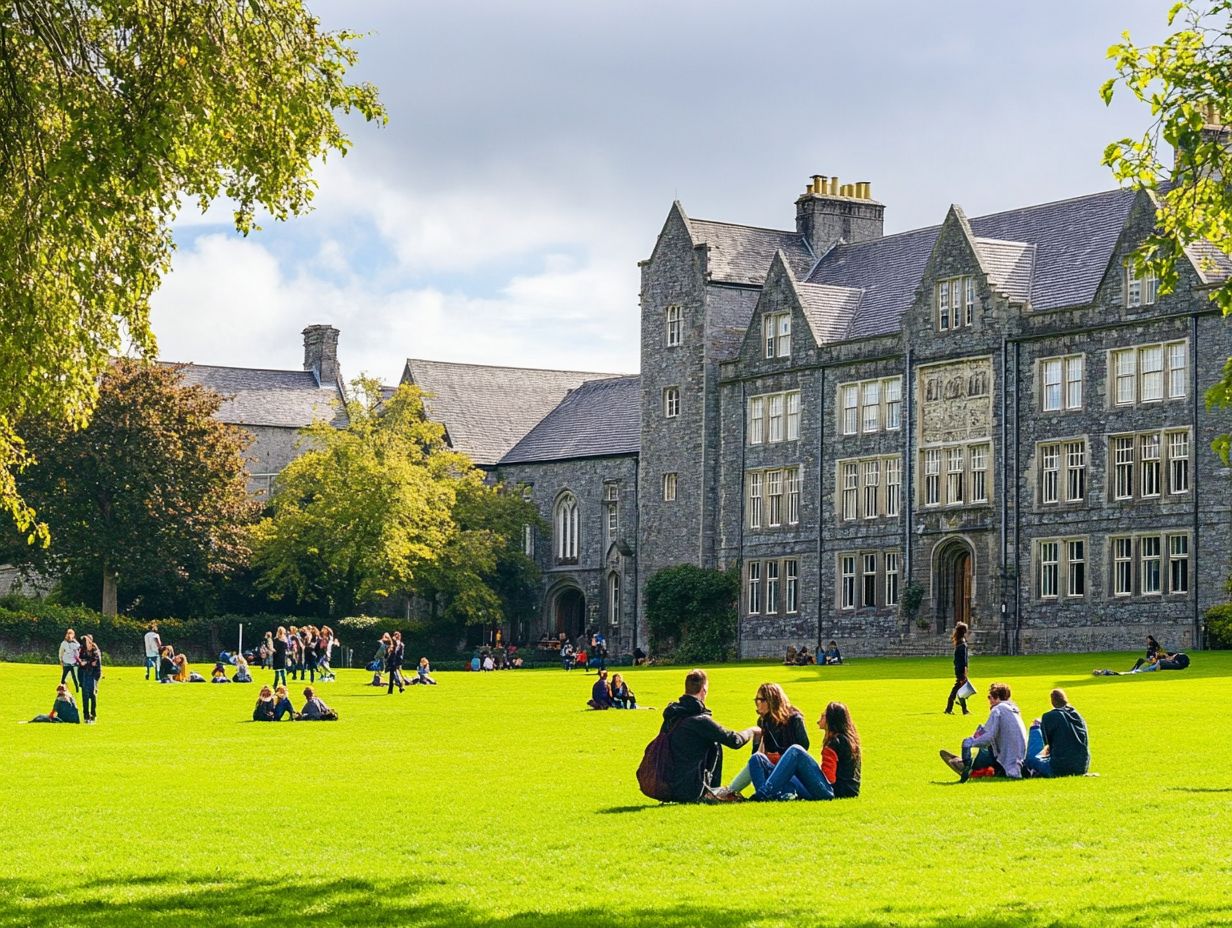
(654,772)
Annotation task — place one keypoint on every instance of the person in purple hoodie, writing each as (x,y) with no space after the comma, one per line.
(1002,740)
(600,693)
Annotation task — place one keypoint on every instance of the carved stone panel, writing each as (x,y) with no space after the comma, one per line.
(955,401)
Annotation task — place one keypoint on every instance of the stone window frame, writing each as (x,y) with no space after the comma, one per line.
(613,598)
(1066,569)
(611,499)
(1065,367)
(776,335)
(941,479)
(758,417)
(859,579)
(670,482)
(1140,290)
(760,509)
(1170,563)
(887,408)
(673,326)
(951,313)
(1124,378)
(843,489)
(1064,449)
(767,577)
(566,528)
(1168,467)
(892,588)
(671,401)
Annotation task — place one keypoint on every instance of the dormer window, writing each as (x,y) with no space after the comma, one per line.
(954,302)
(776,332)
(674,326)
(1140,290)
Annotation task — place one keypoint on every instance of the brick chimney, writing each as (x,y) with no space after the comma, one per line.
(829,212)
(321,353)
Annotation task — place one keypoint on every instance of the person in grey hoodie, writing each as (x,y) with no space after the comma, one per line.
(1002,740)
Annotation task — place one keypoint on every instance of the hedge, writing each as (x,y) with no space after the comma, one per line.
(1219,626)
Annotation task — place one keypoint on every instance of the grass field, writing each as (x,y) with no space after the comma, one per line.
(496,800)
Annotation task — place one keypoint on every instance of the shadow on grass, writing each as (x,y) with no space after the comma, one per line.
(177,899)
(1199,789)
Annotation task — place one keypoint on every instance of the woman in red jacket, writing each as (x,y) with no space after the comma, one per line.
(798,774)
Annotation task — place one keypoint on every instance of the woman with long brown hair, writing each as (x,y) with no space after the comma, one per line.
(958,638)
(798,775)
(780,726)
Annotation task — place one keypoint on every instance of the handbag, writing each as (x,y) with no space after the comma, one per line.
(966,691)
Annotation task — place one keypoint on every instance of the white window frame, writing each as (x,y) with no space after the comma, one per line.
(1178,556)
(1146,545)
(776,333)
(1140,290)
(613,598)
(893,403)
(847,581)
(567,522)
(1166,364)
(791,586)
(669,487)
(674,325)
(1050,474)
(772,587)
(871,474)
(1075,470)
(850,471)
(754,588)
(793,415)
(1075,568)
(932,476)
(1049,567)
(1178,462)
(793,496)
(868,581)
(757,420)
(774,418)
(755,499)
(671,402)
(774,498)
(893,482)
(891,578)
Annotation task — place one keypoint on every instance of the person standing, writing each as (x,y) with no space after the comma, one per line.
(1057,744)
(153,648)
(91,661)
(70,648)
(393,660)
(280,656)
(959,639)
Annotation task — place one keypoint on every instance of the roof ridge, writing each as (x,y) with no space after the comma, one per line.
(237,367)
(741,225)
(600,375)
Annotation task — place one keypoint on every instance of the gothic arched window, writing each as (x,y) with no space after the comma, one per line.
(565,526)
(613,599)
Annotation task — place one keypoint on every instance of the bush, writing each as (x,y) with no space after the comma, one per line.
(691,614)
(1219,626)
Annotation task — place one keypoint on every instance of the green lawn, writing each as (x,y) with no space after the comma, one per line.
(495,800)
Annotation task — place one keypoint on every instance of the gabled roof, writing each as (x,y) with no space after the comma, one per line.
(286,399)
(1212,265)
(742,254)
(601,418)
(1010,266)
(1073,242)
(829,310)
(487,410)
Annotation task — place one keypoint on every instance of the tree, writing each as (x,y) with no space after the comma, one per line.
(369,506)
(691,612)
(483,576)
(1186,80)
(113,113)
(150,496)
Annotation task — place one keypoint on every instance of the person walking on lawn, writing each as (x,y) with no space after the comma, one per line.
(70,649)
(91,670)
(393,661)
(959,639)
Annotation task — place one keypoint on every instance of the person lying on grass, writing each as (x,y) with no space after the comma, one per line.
(314,710)
(64,709)
(798,776)
(780,725)
(1057,744)
(696,741)
(1002,741)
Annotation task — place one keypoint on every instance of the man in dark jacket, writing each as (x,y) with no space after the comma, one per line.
(393,663)
(1057,745)
(697,741)
(600,693)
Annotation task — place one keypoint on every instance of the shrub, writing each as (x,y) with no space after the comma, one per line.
(691,613)
(1219,626)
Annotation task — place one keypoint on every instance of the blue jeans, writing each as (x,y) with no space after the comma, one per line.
(151,663)
(283,708)
(983,758)
(796,772)
(1040,766)
(70,670)
(280,673)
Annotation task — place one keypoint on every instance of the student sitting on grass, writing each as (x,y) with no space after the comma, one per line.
(264,709)
(622,697)
(181,668)
(1057,744)
(797,774)
(64,709)
(696,742)
(780,724)
(1153,650)
(424,673)
(1002,740)
(241,670)
(832,654)
(219,674)
(600,693)
(166,665)
(314,710)
(790,659)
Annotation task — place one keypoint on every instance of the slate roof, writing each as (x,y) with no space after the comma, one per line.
(487,410)
(742,254)
(601,418)
(1213,265)
(1010,266)
(829,310)
(1073,242)
(287,399)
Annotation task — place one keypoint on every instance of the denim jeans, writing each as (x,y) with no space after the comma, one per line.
(740,782)
(151,663)
(284,707)
(1040,766)
(983,758)
(70,670)
(280,673)
(89,696)
(796,772)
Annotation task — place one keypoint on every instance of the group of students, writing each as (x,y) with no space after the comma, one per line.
(82,662)
(273,705)
(800,657)
(1157,658)
(306,652)
(780,767)
(613,695)
(389,657)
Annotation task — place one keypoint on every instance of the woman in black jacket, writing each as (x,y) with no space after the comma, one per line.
(91,661)
(959,640)
(280,656)
(1153,652)
(780,725)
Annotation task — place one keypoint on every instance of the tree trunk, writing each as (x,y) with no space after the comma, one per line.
(109,590)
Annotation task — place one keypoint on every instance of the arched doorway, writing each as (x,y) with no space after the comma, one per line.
(569,613)
(953,582)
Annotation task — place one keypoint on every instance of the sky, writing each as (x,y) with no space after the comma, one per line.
(534,148)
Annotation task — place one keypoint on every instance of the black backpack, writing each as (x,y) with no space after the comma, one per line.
(654,772)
